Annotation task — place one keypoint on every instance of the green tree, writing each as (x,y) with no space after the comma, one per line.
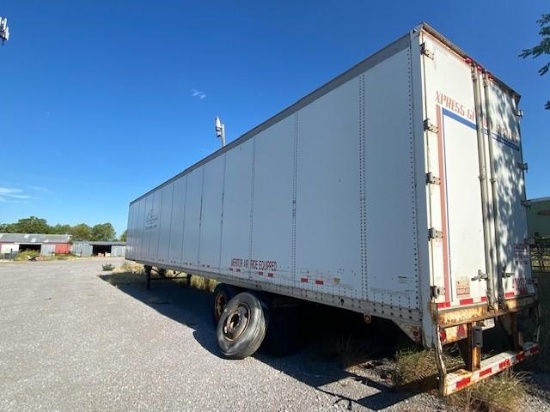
(124,236)
(81,232)
(542,48)
(32,224)
(103,231)
(7,228)
(61,229)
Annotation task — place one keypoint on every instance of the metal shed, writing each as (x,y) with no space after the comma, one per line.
(99,248)
(538,217)
(13,243)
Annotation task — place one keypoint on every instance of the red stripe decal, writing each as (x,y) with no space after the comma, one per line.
(463,382)
(443,204)
(468,301)
(504,364)
(319,282)
(270,275)
(484,298)
(441,305)
(520,357)
(485,372)
(304,280)
(509,294)
(261,273)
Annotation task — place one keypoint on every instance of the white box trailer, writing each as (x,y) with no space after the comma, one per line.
(395,190)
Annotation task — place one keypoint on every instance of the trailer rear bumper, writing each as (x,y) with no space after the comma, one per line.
(460,379)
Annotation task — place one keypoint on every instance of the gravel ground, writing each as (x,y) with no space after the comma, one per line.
(71,341)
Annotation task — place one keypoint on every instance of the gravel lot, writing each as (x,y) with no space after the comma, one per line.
(71,341)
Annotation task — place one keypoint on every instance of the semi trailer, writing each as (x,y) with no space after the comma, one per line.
(395,190)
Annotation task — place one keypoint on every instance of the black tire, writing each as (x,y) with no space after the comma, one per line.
(242,326)
(223,293)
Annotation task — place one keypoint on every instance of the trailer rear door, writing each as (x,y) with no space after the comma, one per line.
(453,163)
(514,278)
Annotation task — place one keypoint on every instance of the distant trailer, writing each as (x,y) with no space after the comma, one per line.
(395,191)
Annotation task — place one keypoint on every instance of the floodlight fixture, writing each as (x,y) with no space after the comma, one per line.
(4,30)
(220,130)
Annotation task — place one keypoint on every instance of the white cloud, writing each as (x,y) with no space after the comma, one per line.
(41,189)
(198,93)
(7,194)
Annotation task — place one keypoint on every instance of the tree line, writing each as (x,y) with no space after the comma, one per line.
(82,231)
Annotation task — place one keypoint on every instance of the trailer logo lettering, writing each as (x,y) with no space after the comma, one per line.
(521,284)
(499,131)
(151,220)
(265,265)
(455,106)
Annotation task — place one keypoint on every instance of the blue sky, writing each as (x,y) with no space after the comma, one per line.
(103,100)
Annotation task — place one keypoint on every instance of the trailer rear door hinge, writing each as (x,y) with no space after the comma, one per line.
(523,166)
(425,50)
(481,276)
(431,179)
(434,234)
(437,291)
(526,203)
(429,126)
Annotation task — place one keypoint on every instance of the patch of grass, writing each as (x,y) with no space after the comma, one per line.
(415,367)
(129,267)
(126,274)
(107,267)
(502,393)
(27,255)
(125,278)
(131,272)
(201,283)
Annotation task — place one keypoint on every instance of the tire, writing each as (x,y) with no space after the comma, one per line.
(242,326)
(223,293)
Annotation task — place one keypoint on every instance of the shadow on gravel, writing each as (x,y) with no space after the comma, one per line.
(330,339)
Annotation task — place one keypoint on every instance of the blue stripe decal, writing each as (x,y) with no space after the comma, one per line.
(472,125)
(453,115)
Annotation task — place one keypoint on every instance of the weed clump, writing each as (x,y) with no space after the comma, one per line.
(502,393)
(27,255)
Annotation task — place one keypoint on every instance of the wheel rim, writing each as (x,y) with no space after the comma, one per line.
(236,322)
(220,304)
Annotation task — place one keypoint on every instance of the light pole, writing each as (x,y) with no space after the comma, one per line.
(220,130)
(4,30)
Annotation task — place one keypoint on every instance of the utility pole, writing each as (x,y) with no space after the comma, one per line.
(4,30)
(220,130)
